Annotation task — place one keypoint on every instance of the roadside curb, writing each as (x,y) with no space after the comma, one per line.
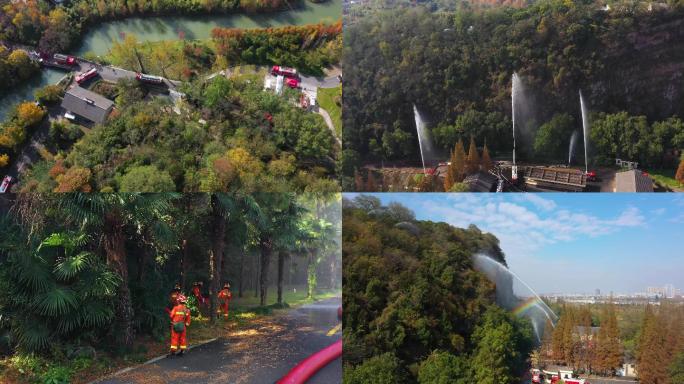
(148,362)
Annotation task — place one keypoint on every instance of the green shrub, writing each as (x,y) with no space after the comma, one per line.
(443,368)
(382,369)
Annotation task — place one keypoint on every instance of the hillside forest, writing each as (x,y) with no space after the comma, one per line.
(415,309)
(456,67)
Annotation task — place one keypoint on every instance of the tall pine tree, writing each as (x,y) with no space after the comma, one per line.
(473,159)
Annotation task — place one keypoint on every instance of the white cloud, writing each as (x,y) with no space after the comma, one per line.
(630,218)
(539,201)
(529,224)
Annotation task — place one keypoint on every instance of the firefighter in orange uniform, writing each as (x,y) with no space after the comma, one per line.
(225,296)
(180,321)
(197,292)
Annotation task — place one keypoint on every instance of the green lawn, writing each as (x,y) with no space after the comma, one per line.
(665,177)
(326,98)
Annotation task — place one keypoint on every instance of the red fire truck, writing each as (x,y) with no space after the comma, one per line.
(553,377)
(149,78)
(290,73)
(86,75)
(6,182)
(64,59)
(292,83)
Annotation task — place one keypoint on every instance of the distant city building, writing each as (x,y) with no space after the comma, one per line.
(598,292)
(668,291)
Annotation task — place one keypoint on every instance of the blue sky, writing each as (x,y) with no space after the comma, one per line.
(572,242)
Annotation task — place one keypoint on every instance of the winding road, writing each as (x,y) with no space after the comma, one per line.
(259,354)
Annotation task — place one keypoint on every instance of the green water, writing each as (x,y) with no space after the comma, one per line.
(25,91)
(99,39)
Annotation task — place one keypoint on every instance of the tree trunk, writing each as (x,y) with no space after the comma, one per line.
(266,249)
(310,275)
(115,249)
(218,245)
(184,264)
(242,270)
(333,280)
(257,273)
(282,255)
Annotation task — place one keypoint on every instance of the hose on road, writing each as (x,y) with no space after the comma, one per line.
(312,364)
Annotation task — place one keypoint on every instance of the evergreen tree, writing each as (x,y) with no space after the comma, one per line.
(473,159)
(487,163)
(459,162)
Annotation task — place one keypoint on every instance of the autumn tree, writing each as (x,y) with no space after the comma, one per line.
(487,163)
(473,159)
(76,179)
(651,354)
(29,113)
(609,351)
(4,160)
(459,162)
(680,171)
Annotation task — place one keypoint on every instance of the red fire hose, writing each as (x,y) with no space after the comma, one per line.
(312,364)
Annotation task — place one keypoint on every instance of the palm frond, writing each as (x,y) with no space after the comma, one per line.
(55,302)
(68,267)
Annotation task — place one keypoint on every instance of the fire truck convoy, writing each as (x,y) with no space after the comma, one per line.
(86,75)
(290,73)
(553,377)
(64,59)
(149,78)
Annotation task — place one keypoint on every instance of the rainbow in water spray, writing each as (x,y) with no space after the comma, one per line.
(526,305)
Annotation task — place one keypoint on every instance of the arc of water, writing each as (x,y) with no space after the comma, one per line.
(571,150)
(585,127)
(419,129)
(539,302)
(514,80)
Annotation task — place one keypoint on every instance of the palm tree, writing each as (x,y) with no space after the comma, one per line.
(54,290)
(237,210)
(278,231)
(112,214)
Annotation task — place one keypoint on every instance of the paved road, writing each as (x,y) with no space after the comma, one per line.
(258,355)
(329,123)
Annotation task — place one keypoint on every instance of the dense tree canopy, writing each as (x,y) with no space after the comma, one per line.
(409,290)
(456,67)
(230,135)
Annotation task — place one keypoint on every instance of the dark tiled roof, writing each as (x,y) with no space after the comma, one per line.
(481,182)
(87,104)
(633,180)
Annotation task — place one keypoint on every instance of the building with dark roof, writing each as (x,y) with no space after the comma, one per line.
(555,179)
(86,104)
(633,180)
(481,182)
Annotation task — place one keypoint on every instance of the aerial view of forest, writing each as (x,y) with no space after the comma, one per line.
(540,81)
(149,97)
